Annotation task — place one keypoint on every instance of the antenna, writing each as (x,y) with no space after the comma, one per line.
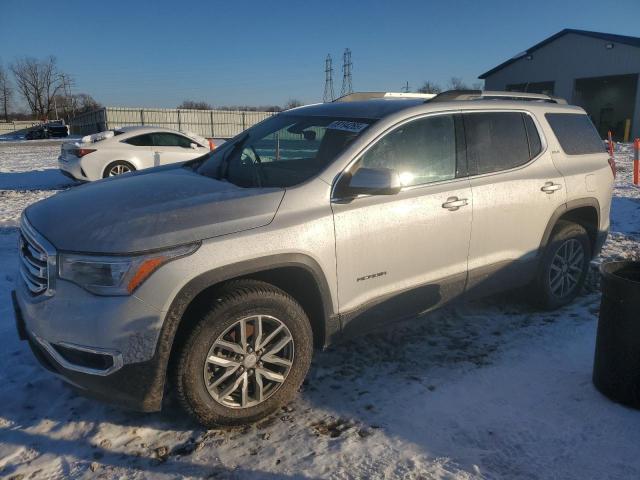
(347,88)
(406,87)
(328,81)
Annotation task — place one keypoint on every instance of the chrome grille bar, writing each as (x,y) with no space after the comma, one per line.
(37,260)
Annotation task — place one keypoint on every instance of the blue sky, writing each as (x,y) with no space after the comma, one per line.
(159,53)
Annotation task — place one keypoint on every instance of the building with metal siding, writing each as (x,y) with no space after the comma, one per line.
(597,71)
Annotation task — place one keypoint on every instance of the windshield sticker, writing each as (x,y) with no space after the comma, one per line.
(346,126)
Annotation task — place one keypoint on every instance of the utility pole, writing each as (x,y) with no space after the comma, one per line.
(66,88)
(347,88)
(406,87)
(328,80)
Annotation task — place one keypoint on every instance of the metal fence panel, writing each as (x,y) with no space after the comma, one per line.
(207,123)
(9,127)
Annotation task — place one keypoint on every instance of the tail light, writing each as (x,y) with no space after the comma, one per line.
(81,152)
(212,146)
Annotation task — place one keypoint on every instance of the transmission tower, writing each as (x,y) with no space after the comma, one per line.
(347,88)
(328,81)
(405,87)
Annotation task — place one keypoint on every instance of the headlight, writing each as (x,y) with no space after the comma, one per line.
(114,274)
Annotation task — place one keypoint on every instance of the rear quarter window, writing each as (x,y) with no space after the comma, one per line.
(576,133)
(495,141)
(140,141)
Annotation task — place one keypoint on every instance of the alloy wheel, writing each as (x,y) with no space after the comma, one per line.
(566,268)
(249,362)
(118,170)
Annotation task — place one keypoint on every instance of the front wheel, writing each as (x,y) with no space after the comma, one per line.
(246,357)
(564,266)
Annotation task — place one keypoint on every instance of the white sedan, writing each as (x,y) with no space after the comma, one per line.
(127,149)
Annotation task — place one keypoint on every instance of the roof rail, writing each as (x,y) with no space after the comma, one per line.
(360,96)
(455,95)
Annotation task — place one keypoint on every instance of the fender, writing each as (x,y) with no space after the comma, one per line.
(562,210)
(159,362)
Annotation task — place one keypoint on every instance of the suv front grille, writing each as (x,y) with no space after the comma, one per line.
(34,265)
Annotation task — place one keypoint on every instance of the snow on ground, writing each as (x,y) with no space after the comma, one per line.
(28,173)
(481,390)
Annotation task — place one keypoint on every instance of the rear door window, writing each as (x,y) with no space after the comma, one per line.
(576,133)
(495,141)
(535,144)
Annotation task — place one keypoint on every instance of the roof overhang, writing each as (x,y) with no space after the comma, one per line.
(610,37)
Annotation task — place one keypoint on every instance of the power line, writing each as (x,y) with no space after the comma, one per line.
(328,80)
(347,88)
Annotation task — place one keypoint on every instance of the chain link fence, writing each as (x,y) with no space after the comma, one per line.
(207,123)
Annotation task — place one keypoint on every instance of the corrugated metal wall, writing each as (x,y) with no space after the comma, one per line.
(208,123)
(567,59)
(87,123)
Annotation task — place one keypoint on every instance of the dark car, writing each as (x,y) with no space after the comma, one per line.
(56,130)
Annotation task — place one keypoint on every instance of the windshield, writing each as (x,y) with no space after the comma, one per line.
(283,150)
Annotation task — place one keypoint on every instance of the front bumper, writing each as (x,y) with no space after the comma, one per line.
(134,386)
(102,346)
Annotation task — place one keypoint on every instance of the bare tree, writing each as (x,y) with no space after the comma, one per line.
(6,92)
(192,105)
(38,81)
(249,108)
(292,103)
(85,103)
(477,86)
(75,104)
(429,87)
(456,83)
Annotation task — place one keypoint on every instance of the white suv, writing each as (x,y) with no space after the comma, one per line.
(213,279)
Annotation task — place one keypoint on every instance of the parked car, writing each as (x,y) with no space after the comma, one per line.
(214,279)
(127,149)
(48,130)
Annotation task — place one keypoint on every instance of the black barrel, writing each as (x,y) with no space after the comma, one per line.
(616,368)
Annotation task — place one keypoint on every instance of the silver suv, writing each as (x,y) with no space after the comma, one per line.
(214,279)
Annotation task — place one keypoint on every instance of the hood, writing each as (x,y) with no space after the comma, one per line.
(150,210)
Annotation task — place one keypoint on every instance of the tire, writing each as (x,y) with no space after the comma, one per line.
(117,165)
(240,301)
(571,240)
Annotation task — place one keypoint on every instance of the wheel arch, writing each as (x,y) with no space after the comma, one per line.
(297,274)
(585,212)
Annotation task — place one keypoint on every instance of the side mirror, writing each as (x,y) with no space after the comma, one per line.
(373,181)
(194,146)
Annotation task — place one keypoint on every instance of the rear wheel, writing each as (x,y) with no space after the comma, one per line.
(246,356)
(564,266)
(118,168)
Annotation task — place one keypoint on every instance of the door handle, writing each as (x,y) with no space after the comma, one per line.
(454,203)
(550,187)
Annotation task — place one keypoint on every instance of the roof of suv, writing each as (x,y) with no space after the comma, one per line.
(377,107)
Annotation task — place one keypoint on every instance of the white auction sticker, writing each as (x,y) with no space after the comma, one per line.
(347,126)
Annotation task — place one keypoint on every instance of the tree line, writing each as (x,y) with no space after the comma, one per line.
(44,88)
(200,105)
(455,83)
